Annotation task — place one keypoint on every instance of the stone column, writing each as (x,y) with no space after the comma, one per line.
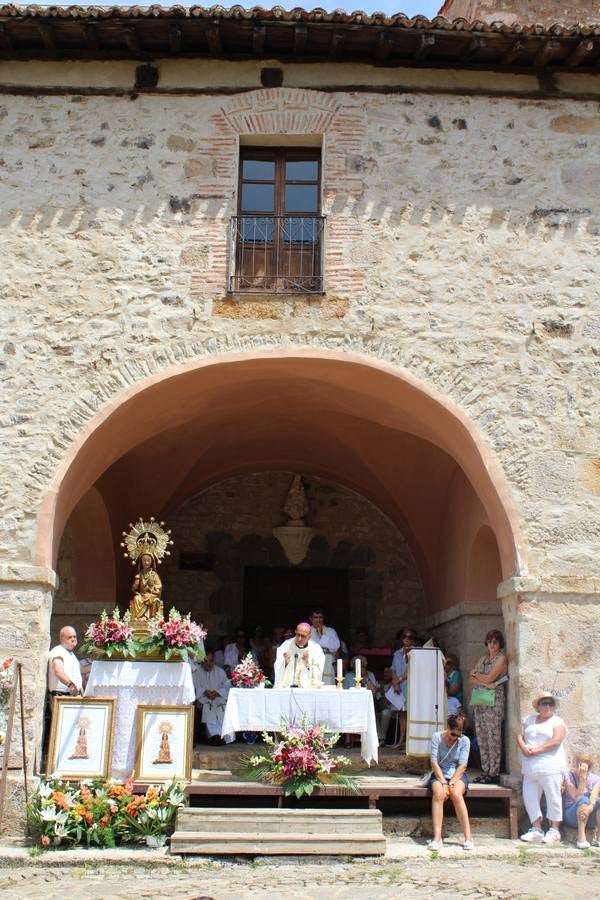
(25,606)
(552,627)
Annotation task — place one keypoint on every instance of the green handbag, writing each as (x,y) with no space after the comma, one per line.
(482,696)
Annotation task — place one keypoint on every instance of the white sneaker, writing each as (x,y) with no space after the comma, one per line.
(583,845)
(533,836)
(552,836)
(435,845)
(468,845)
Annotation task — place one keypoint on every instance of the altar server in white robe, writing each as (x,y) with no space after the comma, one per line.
(299,661)
(328,640)
(212,687)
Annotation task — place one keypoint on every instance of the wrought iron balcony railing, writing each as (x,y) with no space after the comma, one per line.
(277,254)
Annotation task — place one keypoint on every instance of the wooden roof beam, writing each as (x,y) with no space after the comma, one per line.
(300,36)
(424,47)
(337,42)
(175,38)
(258,39)
(5,38)
(583,49)
(47,35)
(515,51)
(91,38)
(131,39)
(547,52)
(213,36)
(472,49)
(384,45)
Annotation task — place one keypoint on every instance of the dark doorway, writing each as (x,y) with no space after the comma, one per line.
(288,596)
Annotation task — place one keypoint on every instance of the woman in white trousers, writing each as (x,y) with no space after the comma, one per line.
(541,741)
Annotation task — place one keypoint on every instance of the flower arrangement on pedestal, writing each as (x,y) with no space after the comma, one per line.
(101,813)
(248,675)
(7,683)
(175,635)
(111,634)
(299,760)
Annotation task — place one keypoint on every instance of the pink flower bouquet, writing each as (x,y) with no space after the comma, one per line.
(299,760)
(247,674)
(111,634)
(175,635)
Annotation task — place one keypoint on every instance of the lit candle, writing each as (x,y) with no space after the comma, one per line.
(357,667)
(339,668)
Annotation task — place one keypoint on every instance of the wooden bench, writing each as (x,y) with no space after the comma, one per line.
(372,790)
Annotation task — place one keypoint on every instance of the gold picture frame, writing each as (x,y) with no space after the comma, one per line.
(164,743)
(82,734)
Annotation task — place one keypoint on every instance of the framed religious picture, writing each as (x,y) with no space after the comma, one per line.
(164,743)
(81,737)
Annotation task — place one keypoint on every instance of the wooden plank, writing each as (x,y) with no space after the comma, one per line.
(384,45)
(258,39)
(204,842)
(583,49)
(131,39)
(213,37)
(547,52)
(175,38)
(300,36)
(515,51)
(472,49)
(47,36)
(303,821)
(337,42)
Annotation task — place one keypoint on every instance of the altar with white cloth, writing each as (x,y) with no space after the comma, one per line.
(133,683)
(350,712)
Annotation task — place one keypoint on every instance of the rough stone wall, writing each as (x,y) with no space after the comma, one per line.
(479,277)
(235,520)
(545,12)
(463,245)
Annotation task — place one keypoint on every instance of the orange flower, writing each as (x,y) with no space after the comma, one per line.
(129,785)
(45,841)
(104,821)
(89,818)
(151,793)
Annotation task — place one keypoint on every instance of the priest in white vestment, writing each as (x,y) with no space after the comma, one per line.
(212,687)
(328,640)
(299,661)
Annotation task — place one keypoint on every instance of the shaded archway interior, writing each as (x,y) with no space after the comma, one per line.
(350,423)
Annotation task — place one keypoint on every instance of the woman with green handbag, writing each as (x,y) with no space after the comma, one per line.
(487,701)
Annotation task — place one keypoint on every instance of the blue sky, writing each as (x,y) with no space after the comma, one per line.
(427,8)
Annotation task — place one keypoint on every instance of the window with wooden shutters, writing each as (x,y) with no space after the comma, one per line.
(277,236)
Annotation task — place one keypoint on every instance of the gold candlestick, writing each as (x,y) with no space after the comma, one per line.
(357,682)
(339,682)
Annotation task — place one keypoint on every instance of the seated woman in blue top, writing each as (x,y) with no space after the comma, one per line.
(449,757)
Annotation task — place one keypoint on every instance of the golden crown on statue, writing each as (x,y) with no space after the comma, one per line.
(146,537)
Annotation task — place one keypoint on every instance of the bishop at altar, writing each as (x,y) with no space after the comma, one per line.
(299,661)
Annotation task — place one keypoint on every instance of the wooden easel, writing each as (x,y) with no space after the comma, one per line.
(4,762)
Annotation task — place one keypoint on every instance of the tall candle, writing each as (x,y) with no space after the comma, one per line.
(339,668)
(357,667)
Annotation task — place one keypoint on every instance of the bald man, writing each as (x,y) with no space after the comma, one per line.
(299,661)
(64,672)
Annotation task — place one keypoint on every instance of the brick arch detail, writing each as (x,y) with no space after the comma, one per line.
(285,111)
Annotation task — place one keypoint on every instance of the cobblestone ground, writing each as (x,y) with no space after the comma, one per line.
(516,877)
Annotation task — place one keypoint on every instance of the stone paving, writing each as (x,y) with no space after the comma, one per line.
(497,869)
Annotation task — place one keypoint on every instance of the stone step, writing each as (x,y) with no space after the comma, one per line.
(299,821)
(420,826)
(235,843)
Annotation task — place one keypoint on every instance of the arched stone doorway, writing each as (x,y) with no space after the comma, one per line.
(362,424)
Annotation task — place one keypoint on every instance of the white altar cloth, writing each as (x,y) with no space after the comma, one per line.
(350,712)
(134,683)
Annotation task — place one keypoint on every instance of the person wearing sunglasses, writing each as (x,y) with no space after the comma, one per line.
(449,757)
(541,741)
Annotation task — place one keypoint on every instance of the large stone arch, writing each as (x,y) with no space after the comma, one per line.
(352,388)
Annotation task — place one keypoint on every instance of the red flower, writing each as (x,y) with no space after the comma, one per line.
(45,841)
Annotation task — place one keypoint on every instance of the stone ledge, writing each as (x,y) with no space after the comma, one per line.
(457,610)
(24,573)
(550,584)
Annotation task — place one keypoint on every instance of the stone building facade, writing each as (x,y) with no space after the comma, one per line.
(447,372)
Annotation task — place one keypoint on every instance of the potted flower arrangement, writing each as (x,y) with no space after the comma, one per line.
(299,760)
(151,817)
(111,634)
(102,813)
(248,675)
(175,636)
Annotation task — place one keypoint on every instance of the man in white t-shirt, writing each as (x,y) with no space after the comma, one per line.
(328,641)
(64,672)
